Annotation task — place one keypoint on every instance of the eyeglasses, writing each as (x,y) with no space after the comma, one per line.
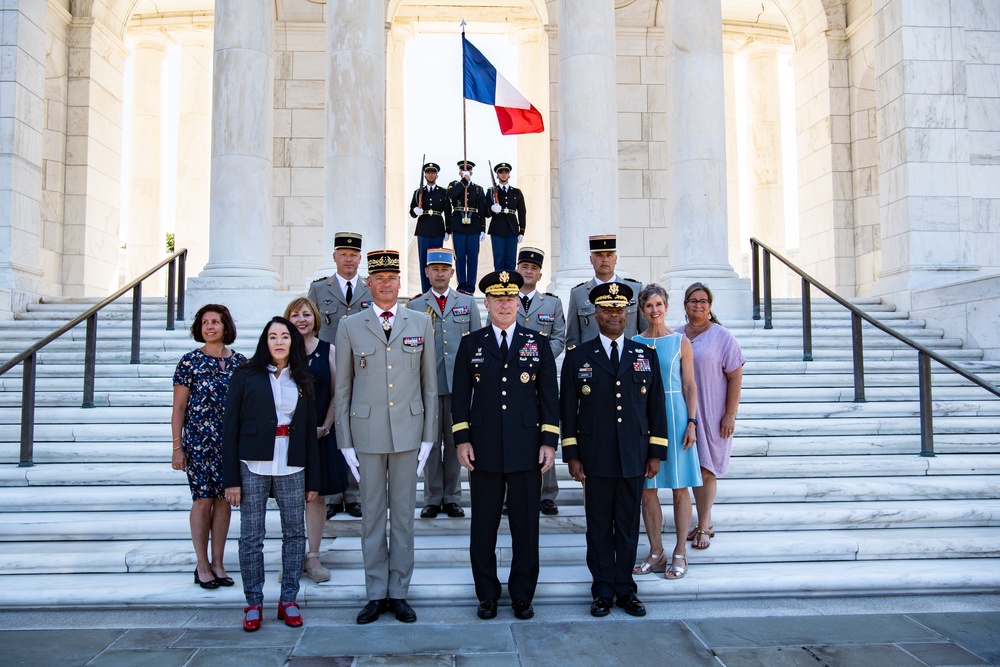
(698,302)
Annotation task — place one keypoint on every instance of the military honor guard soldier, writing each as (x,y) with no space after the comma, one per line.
(336,297)
(505,408)
(508,218)
(454,315)
(614,433)
(432,209)
(581,324)
(469,209)
(386,421)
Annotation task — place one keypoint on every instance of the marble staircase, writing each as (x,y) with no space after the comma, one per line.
(824,497)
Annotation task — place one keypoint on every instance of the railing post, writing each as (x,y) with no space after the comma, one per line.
(767,290)
(857,344)
(926,405)
(136,322)
(755,277)
(90,362)
(807,334)
(28,412)
(171,298)
(181,278)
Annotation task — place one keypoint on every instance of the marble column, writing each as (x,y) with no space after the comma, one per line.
(146,243)
(736,248)
(697,221)
(355,123)
(764,106)
(398,232)
(588,134)
(532,171)
(194,140)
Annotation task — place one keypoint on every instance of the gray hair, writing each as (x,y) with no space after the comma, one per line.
(651,290)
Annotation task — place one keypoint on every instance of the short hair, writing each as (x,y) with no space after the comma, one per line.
(228,326)
(298,304)
(651,290)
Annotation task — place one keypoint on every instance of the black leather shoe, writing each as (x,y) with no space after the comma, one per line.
(331,510)
(487,609)
(600,607)
(548,507)
(429,511)
(523,609)
(372,611)
(631,604)
(404,612)
(354,509)
(454,510)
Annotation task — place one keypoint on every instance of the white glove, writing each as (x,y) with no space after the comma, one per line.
(446,237)
(465,174)
(520,239)
(425,451)
(419,211)
(496,208)
(352,462)
(482,236)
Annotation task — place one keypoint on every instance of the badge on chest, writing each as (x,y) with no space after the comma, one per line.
(545,318)
(413,341)
(460,310)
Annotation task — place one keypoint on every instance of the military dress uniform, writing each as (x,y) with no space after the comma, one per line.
(612,422)
(469,209)
(507,225)
(506,406)
(457,317)
(433,224)
(581,324)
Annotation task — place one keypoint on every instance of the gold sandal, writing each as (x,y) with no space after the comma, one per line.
(676,571)
(694,531)
(698,531)
(652,564)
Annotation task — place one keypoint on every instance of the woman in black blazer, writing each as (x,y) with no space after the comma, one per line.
(269,448)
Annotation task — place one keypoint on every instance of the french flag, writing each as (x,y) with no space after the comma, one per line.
(484,84)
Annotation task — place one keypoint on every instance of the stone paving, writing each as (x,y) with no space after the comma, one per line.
(919,631)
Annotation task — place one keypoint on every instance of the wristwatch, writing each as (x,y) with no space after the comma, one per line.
(692,421)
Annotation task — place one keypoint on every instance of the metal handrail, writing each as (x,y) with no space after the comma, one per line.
(924,354)
(175,264)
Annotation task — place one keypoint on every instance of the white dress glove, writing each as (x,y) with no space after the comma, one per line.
(419,211)
(520,239)
(425,451)
(352,462)
(496,208)
(482,236)
(446,237)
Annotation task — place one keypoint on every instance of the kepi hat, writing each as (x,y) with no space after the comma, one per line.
(432,166)
(533,255)
(503,165)
(466,163)
(351,240)
(441,256)
(611,295)
(501,283)
(383,260)
(604,243)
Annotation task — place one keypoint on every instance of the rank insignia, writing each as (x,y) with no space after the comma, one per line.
(327,301)
(413,341)
(545,318)
(460,310)
(642,389)
(525,378)
(367,304)
(585,390)
(641,365)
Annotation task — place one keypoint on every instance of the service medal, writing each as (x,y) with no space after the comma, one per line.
(525,377)
(585,390)
(642,390)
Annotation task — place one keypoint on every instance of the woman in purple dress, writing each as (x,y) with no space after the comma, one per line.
(718,372)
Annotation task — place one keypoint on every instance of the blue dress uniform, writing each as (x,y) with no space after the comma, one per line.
(612,423)
(507,408)
(507,224)
(433,223)
(469,209)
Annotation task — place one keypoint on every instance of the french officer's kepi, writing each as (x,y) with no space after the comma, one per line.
(383,260)
(441,256)
(533,255)
(611,295)
(466,164)
(501,283)
(603,243)
(350,240)
(432,166)
(503,166)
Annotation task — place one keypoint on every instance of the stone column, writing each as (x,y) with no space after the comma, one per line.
(696,158)
(355,123)
(588,134)
(736,249)
(146,243)
(194,140)
(532,171)
(398,232)
(765,145)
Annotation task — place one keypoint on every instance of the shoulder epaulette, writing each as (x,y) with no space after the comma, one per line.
(633,280)
(580,285)
(571,347)
(550,294)
(319,280)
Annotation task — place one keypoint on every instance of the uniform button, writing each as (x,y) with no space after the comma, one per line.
(616,395)
(503,393)
(391,404)
(505,365)
(390,386)
(619,419)
(619,407)
(446,354)
(503,379)
(504,407)
(388,349)
(388,368)
(619,383)
(444,331)
(343,316)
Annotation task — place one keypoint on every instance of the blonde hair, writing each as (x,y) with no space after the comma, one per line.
(298,304)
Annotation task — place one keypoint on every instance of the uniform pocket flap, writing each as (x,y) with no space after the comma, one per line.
(364,351)
(416,407)
(361,411)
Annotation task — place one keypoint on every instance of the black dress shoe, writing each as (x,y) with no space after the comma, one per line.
(404,612)
(631,604)
(331,510)
(429,511)
(372,611)
(523,609)
(354,509)
(600,607)
(548,507)
(454,510)
(487,609)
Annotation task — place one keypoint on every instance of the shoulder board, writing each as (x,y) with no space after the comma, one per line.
(465,334)
(319,280)
(571,347)
(580,285)
(550,294)
(633,280)
(543,334)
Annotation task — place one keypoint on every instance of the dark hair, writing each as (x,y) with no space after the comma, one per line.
(298,364)
(695,287)
(651,290)
(228,326)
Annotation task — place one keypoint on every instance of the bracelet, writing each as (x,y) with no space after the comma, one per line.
(177,438)
(692,421)
(177,447)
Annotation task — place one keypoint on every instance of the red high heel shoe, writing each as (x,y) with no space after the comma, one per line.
(291,620)
(251,625)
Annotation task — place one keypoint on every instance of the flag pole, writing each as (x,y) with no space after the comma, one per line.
(465,145)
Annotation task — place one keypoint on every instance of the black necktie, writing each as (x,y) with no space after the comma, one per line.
(350,293)
(525,301)
(615,361)
(503,344)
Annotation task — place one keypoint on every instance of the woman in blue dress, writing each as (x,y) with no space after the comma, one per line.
(681,470)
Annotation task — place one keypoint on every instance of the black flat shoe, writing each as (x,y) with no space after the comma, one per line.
(224,581)
(430,511)
(404,612)
(487,609)
(354,509)
(548,508)
(454,510)
(210,584)
(372,611)
(523,609)
(600,607)
(631,604)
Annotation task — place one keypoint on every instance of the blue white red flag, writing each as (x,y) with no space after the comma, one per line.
(483,83)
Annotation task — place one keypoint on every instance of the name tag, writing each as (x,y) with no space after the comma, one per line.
(413,341)
(367,304)
(641,365)
(545,318)
(460,310)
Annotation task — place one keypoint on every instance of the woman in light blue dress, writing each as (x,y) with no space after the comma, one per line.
(681,470)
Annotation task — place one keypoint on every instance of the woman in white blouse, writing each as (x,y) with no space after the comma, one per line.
(269,448)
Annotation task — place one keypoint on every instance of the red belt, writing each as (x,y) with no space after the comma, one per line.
(281,431)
